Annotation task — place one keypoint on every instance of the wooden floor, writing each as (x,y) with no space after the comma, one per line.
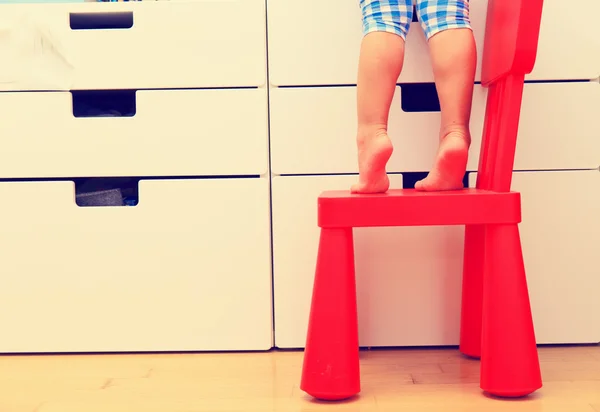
(400,380)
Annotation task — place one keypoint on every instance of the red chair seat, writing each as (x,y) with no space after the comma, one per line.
(409,207)
(496,315)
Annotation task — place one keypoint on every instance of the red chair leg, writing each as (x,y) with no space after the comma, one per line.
(509,360)
(331,364)
(472,291)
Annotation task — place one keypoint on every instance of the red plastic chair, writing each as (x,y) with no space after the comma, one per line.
(496,322)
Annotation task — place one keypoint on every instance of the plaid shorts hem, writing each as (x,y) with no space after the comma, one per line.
(370,27)
(391,16)
(431,31)
(395,16)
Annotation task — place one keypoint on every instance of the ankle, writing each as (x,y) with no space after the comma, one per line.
(366,133)
(459,131)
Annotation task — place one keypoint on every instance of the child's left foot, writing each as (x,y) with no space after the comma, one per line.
(450,164)
(374,151)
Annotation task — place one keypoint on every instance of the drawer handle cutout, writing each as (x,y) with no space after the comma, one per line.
(107,192)
(104,103)
(419,97)
(409,179)
(101,21)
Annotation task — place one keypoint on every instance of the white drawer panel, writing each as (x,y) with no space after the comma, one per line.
(569,45)
(313,130)
(205,43)
(560,234)
(173,132)
(408,279)
(317,42)
(559,128)
(186,269)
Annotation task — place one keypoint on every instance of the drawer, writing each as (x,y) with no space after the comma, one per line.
(321,48)
(408,279)
(305,147)
(133,45)
(569,45)
(560,234)
(189,268)
(558,129)
(301,147)
(171,132)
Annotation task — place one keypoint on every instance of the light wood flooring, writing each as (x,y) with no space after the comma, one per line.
(414,380)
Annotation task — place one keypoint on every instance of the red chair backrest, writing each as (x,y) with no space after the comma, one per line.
(511,38)
(509,53)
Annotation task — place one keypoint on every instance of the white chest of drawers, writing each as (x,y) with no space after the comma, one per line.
(409,278)
(189,267)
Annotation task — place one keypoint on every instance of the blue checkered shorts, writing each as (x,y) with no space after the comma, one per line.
(395,16)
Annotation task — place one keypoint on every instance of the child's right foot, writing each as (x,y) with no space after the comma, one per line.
(374,151)
(450,164)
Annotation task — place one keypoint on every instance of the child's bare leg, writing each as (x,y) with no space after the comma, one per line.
(380,63)
(385,23)
(454,58)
